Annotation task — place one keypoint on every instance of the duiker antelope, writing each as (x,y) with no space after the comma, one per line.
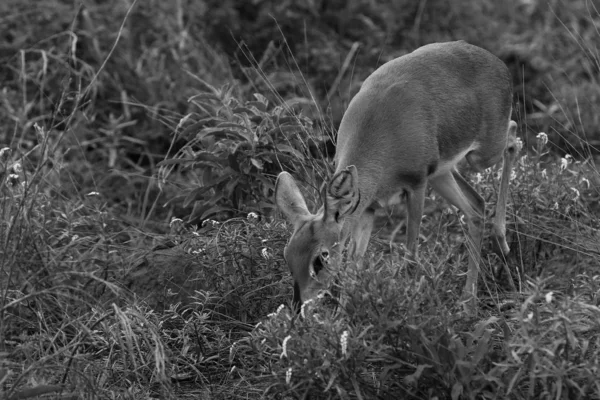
(411,122)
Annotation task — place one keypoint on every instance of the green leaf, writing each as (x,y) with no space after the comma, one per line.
(172,161)
(213,210)
(482,347)
(261,107)
(413,378)
(284,148)
(205,96)
(479,328)
(332,378)
(302,101)
(457,390)
(231,184)
(197,126)
(243,110)
(232,125)
(291,128)
(464,369)
(194,194)
(233,162)
(257,163)
(262,99)
(220,133)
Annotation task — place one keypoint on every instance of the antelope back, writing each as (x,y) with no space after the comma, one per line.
(417,115)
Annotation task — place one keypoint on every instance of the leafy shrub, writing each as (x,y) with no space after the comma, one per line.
(240,147)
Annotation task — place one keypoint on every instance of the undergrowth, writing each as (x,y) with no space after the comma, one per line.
(105,138)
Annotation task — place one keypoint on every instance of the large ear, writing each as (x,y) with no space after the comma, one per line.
(289,199)
(342,196)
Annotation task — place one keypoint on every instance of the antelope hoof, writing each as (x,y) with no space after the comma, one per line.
(468,303)
(500,236)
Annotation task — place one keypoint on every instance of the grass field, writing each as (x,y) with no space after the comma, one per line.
(140,252)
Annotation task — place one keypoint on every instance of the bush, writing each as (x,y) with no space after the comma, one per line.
(240,147)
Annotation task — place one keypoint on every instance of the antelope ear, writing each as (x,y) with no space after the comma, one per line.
(342,196)
(288,198)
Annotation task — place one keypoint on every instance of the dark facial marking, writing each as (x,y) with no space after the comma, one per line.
(318,263)
(431,168)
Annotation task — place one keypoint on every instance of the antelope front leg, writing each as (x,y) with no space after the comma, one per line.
(510,154)
(414,213)
(475,226)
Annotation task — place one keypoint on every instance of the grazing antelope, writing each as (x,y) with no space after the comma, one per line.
(411,122)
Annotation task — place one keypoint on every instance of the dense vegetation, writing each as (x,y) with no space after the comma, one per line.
(140,256)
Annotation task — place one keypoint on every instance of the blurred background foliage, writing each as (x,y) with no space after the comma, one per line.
(110,79)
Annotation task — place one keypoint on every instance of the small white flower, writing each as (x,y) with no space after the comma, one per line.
(344,342)
(265,253)
(519,144)
(210,222)
(513,175)
(17,168)
(280,308)
(288,375)
(284,346)
(4,154)
(586,181)
(231,349)
(549,297)
(276,313)
(303,305)
(13,179)
(252,216)
(564,163)
(478,177)
(174,221)
(542,138)
(576,194)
